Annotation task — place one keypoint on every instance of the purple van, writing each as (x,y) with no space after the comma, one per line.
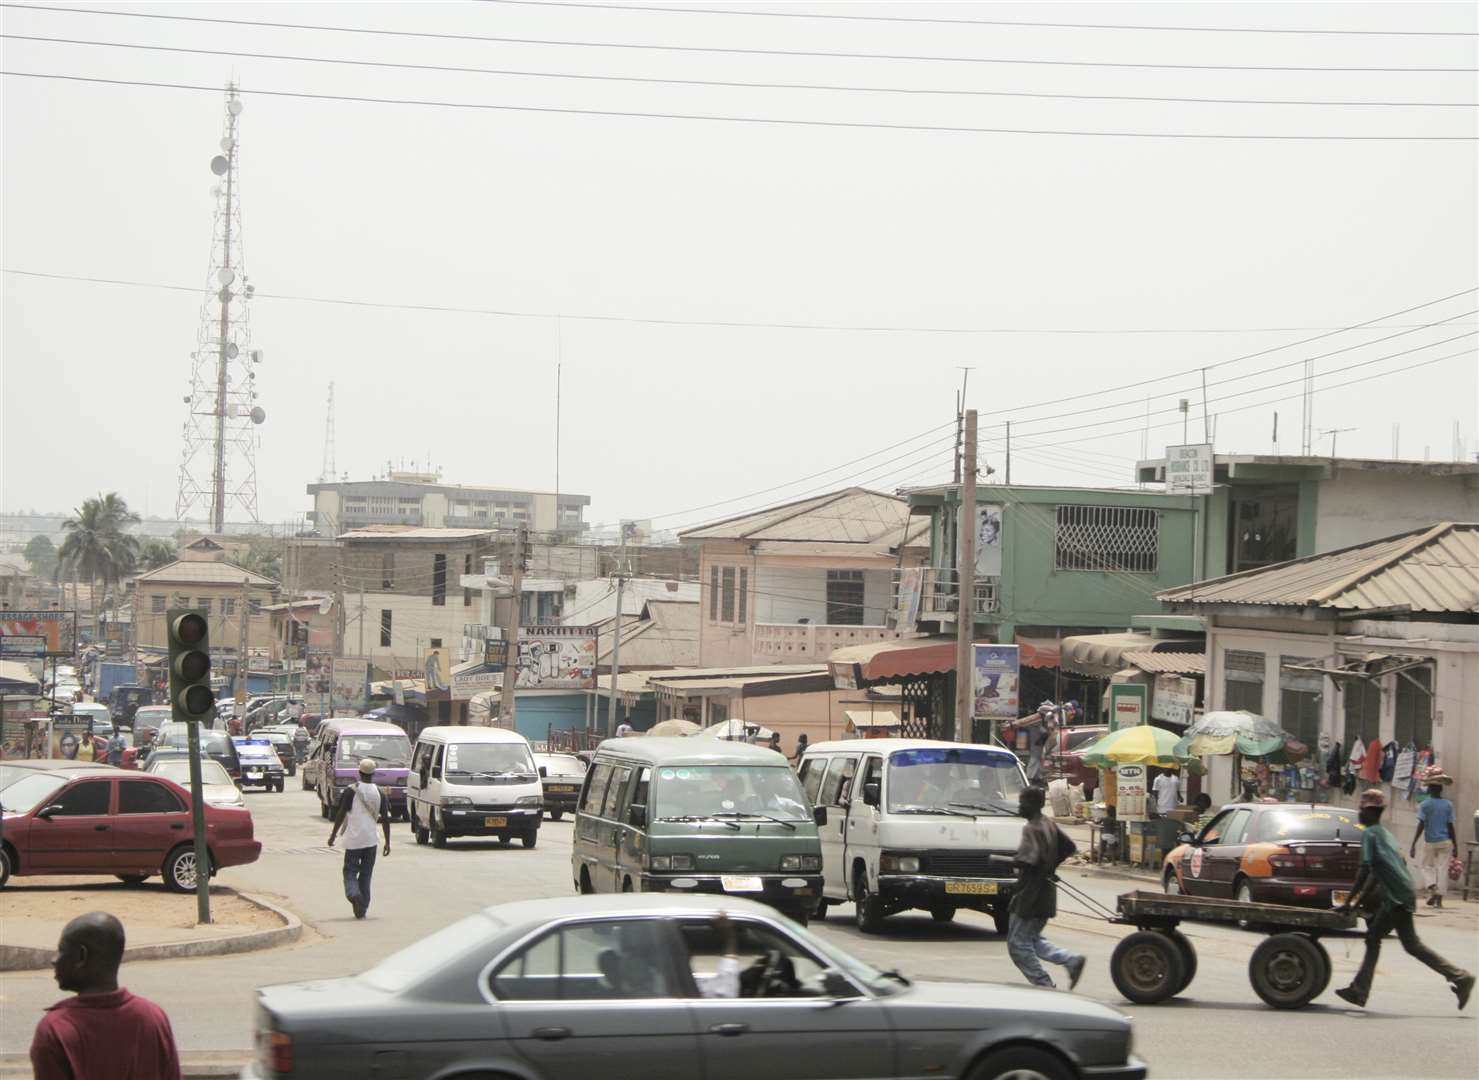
(334,757)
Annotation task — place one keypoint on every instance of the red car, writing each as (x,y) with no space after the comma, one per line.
(108,821)
(1062,756)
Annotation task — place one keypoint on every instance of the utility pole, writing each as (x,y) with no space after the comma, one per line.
(960,417)
(1009,454)
(242,644)
(965,625)
(511,629)
(621,580)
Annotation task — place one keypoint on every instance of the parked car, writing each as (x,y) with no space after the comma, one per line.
(216,785)
(126,824)
(335,754)
(147,721)
(559,987)
(561,776)
(13,770)
(1271,853)
(215,744)
(260,765)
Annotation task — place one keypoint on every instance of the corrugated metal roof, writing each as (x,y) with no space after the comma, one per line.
(398,532)
(1435,569)
(1167,663)
(194,572)
(850,516)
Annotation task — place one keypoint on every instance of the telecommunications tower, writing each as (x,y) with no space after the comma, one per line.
(218,463)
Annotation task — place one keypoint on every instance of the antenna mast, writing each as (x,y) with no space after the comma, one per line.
(218,463)
(328,471)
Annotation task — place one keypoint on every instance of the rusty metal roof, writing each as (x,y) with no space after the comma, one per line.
(851,516)
(1434,569)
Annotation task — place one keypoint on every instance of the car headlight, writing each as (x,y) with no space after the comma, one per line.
(801,862)
(899,863)
(456,800)
(670,862)
(528,800)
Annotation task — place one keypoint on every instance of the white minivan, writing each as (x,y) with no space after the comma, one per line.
(915,823)
(473,781)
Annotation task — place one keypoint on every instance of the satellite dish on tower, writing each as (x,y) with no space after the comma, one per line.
(227,143)
(234,108)
(259,414)
(225,275)
(219,165)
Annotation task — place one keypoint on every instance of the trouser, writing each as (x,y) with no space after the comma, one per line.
(359,864)
(1026,946)
(1434,863)
(1377,927)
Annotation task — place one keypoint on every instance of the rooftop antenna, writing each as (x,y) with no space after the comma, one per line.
(1333,433)
(327,471)
(1307,442)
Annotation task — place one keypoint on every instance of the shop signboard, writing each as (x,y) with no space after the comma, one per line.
(58,628)
(349,686)
(1130,789)
(997,671)
(66,736)
(1175,697)
(845,676)
(988,540)
(23,645)
(911,587)
(556,658)
(1189,469)
(1127,705)
(495,654)
(468,684)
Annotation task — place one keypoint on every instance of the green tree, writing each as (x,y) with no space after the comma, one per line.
(95,546)
(263,555)
(155,553)
(41,554)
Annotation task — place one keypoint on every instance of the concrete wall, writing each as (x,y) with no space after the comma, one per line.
(152,631)
(1357,505)
(818,713)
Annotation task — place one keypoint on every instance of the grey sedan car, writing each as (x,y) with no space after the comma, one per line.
(674,988)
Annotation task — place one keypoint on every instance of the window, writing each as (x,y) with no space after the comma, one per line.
(1414,708)
(798,972)
(614,792)
(596,961)
(439,580)
(845,597)
(744,589)
(726,595)
(1362,711)
(436,643)
(595,788)
(1116,538)
(156,605)
(1242,680)
(1237,827)
(1284,826)
(228,606)
(387,570)
(1263,524)
(254,608)
(713,594)
(1300,694)
(642,788)
(839,780)
(467,569)
(811,777)
(89,797)
(147,797)
(203,604)
(386,616)
(872,773)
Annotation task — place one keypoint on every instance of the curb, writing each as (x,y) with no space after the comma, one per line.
(25,958)
(195,1065)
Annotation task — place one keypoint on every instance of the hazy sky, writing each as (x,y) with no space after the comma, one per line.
(670,219)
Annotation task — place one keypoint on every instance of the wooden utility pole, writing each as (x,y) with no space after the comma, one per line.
(965,623)
(242,644)
(511,629)
(621,580)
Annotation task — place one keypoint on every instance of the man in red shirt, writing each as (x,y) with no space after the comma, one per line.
(104,1033)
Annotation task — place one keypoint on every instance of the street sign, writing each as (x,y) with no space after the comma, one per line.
(1189,469)
(23,645)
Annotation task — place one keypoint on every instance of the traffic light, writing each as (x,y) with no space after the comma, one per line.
(189,666)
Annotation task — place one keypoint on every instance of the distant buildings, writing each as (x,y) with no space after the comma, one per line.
(407,498)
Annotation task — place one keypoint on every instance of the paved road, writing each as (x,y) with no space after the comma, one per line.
(1220,1029)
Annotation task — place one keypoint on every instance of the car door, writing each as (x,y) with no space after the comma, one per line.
(632,838)
(833,835)
(614,830)
(599,991)
(151,820)
(861,839)
(589,831)
(78,836)
(1226,856)
(1196,869)
(794,1031)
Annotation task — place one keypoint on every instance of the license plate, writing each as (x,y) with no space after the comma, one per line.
(563,789)
(495,822)
(733,883)
(972,888)
(1338,897)
(254,774)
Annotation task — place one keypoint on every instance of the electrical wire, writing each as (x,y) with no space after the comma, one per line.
(720,83)
(859,125)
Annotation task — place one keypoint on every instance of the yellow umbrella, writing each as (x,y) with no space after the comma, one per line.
(1139,745)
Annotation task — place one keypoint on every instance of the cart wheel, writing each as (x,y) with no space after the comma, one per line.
(1325,960)
(1147,967)
(1288,970)
(1188,958)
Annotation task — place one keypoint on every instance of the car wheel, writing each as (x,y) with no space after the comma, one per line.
(820,912)
(504,839)
(1021,1063)
(943,914)
(4,866)
(867,909)
(1244,895)
(1170,882)
(1147,967)
(420,832)
(132,879)
(438,836)
(306,785)
(556,815)
(530,839)
(1001,919)
(1288,970)
(179,870)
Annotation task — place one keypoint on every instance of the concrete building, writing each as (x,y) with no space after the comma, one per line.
(790,584)
(420,499)
(211,549)
(226,593)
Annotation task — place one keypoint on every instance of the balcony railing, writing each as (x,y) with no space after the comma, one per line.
(814,641)
(940,594)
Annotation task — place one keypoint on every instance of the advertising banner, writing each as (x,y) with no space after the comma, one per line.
(1189,469)
(66,736)
(59,628)
(1126,705)
(1175,698)
(988,540)
(557,658)
(1130,789)
(318,675)
(468,684)
(438,674)
(997,671)
(350,683)
(911,586)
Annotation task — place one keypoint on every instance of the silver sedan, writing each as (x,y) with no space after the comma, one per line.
(672,988)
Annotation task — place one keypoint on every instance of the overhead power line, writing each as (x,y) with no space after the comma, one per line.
(938,21)
(731,50)
(721,83)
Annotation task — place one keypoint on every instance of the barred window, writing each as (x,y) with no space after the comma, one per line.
(1242,680)
(1125,538)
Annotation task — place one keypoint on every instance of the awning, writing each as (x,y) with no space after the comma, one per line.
(893,659)
(862,719)
(1168,663)
(1101,655)
(1038,652)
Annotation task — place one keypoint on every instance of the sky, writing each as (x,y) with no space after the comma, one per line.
(639,254)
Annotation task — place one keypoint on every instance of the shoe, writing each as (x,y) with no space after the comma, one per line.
(1463,988)
(1076,970)
(1351,994)
(1438,901)
(1433,900)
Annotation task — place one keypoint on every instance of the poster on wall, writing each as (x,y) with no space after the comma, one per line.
(317,670)
(911,586)
(438,672)
(350,683)
(1126,705)
(1175,697)
(556,658)
(997,672)
(66,736)
(988,540)
(1130,792)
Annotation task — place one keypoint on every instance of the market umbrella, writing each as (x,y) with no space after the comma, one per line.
(673,728)
(1138,745)
(1246,733)
(737,730)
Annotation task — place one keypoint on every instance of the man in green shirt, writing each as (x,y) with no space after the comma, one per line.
(1386,897)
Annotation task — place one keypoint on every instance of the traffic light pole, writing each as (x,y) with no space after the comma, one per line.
(197,820)
(192,702)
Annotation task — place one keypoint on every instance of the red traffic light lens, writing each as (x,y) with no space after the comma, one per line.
(190,628)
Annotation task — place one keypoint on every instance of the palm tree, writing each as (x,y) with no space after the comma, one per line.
(95,545)
(155,553)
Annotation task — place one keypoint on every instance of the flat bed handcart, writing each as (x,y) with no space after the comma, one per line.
(1288,970)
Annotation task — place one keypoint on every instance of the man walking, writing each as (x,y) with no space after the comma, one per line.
(1435,826)
(1384,892)
(105,1032)
(1044,846)
(360,806)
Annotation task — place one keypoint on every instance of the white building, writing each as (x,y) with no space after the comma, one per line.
(406,498)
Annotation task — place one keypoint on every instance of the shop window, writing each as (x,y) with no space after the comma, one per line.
(439,580)
(1242,680)
(1115,538)
(1300,696)
(1362,711)
(844,598)
(1414,708)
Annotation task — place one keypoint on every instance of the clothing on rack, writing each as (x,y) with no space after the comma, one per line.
(1333,766)
(1388,762)
(1355,758)
(1371,765)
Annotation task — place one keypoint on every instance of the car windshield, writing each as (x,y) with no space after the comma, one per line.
(560,765)
(213,742)
(488,761)
(425,957)
(1281,826)
(947,779)
(697,791)
(211,772)
(30,792)
(256,753)
(387,751)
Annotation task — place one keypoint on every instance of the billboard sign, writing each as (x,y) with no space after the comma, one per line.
(988,540)
(438,672)
(1130,787)
(997,671)
(1175,698)
(1127,705)
(1189,469)
(23,645)
(349,683)
(468,684)
(557,658)
(911,588)
(57,628)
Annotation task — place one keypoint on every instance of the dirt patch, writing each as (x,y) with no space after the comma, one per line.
(138,906)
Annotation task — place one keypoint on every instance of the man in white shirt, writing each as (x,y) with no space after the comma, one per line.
(1167,788)
(724,981)
(361,807)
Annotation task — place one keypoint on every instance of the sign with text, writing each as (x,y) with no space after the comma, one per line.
(1127,705)
(556,658)
(58,628)
(997,670)
(468,684)
(23,645)
(350,683)
(1175,697)
(1130,788)
(1189,469)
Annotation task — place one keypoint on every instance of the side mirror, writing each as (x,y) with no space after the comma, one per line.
(46,812)
(872,793)
(1186,838)
(543,771)
(837,985)
(819,815)
(637,816)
